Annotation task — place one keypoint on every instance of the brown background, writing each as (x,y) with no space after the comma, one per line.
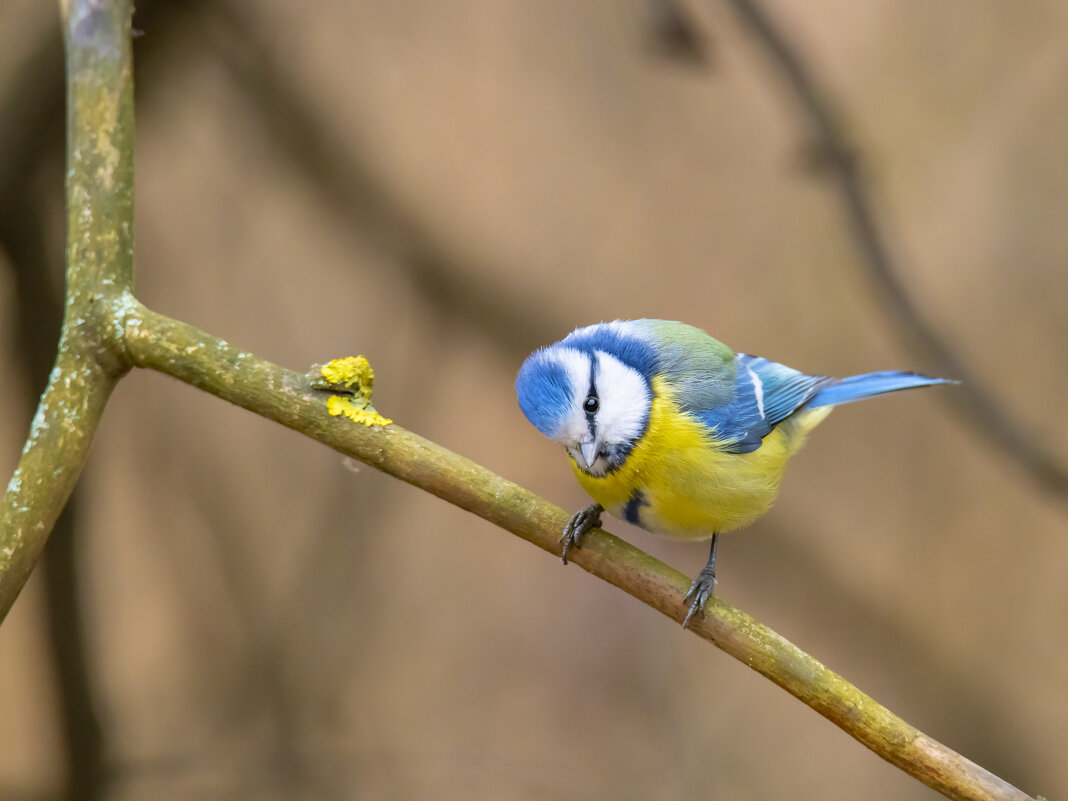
(444,187)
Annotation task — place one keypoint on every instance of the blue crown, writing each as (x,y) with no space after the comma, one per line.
(631,350)
(543,390)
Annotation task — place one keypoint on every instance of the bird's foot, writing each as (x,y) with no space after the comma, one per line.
(700,590)
(581,522)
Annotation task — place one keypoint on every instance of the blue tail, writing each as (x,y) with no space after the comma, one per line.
(858,387)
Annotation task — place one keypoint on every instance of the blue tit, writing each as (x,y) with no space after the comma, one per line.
(669,429)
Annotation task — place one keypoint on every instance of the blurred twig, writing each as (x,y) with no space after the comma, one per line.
(31,134)
(105,330)
(344,179)
(839,159)
(180,350)
(676,35)
(84,741)
(356,191)
(265,677)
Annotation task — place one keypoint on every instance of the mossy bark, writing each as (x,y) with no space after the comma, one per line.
(89,358)
(106,331)
(290,398)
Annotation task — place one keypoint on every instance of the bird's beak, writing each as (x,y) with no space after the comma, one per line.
(589,452)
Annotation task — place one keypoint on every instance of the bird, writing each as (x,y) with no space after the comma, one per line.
(669,429)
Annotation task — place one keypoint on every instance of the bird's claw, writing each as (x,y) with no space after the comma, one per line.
(582,521)
(701,590)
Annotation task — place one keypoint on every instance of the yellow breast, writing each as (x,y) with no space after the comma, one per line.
(679,481)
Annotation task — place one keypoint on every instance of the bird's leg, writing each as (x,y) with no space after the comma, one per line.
(581,522)
(702,586)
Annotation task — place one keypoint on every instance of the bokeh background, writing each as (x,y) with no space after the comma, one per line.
(230,611)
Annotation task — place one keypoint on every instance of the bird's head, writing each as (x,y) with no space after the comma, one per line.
(590,392)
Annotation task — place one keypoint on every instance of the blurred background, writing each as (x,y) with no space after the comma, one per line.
(230,611)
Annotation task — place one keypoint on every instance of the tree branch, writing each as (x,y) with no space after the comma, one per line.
(838,156)
(182,351)
(99,267)
(106,330)
(354,189)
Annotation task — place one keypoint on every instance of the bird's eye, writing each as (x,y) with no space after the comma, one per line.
(591,404)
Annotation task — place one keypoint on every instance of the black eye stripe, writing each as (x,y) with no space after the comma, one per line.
(592,402)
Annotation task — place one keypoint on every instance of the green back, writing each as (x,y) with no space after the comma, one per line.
(701,369)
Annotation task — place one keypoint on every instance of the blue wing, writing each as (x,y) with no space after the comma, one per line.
(765,394)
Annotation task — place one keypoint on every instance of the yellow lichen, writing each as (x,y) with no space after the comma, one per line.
(354,377)
(350,372)
(340,405)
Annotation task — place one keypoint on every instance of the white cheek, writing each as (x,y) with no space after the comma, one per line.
(573,430)
(625,400)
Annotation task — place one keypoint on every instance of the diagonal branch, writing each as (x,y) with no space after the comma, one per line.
(99,266)
(839,158)
(182,351)
(106,330)
(356,190)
